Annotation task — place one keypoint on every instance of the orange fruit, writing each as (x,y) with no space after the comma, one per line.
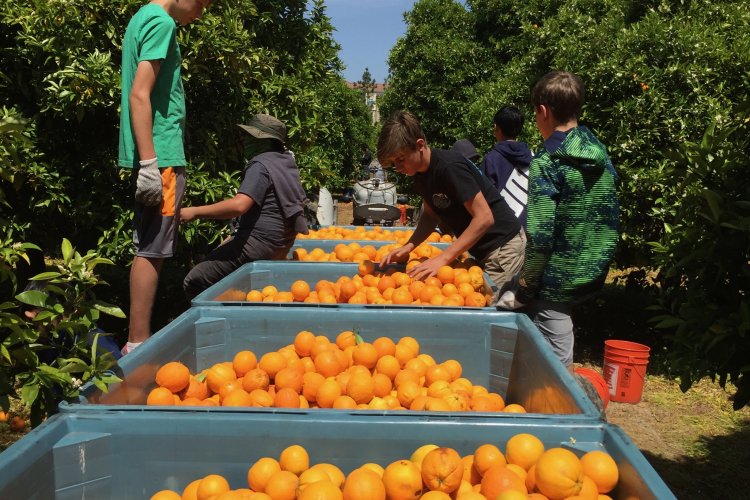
(404,353)
(407,392)
(300,290)
(602,469)
(514,408)
(417,366)
(588,489)
(486,456)
(388,365)
(294,459)
(382,385)
(386,282)
(254,296)
(255,379)
(286,398)
(218,375)
(435,495)
(310,383)
(416,287)
(442,470)
(303,343)
(409,342)
(195,389)
(471,475)
(406,376)
(334,473)
(364,484)
(243,362)
(311,476)
(475,299)
(290,378)
(345,339)
(384,346)
(211,486)
(328,364)
(361,388)
(159,396)
(261,398)
(321,490)
(260,472)
(269,291)
(174,376)
(454,368)
(237,397)
(166,495)
(366,355)
(402,296)
(272,363)
(327,393)
(558,473)
(282,485)
(344,402)
(524,450)
(499,478)
(191,490)
(366,267)
(402,480)
(435,373)
(445,274)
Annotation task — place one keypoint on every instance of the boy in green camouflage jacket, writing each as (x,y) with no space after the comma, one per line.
(572,214)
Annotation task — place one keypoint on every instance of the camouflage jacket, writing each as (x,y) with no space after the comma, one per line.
(572,224)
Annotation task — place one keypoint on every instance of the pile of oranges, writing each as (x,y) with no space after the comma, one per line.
(354,252)
(525,471)
(314,372)
(377,233)
(451,286)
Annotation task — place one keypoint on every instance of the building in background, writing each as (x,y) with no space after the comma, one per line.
(371,92)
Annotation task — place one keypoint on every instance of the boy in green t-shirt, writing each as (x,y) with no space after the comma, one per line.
(152,122)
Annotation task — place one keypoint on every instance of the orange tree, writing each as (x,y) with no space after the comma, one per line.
(60,85)
(659,74)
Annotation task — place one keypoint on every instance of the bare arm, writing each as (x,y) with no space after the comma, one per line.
(426,225)
(140,107)
(481,220)
(225,209)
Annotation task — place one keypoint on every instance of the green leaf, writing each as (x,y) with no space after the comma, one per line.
(67,250)
(108,309)
(29,393)
(45,276)
(33,298)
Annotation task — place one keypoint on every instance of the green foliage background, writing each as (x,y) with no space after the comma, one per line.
(666,83)
(60,87)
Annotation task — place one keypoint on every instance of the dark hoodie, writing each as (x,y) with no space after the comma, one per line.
(507,167)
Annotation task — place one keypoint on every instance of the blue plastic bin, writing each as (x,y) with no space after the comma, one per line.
(131,455)
(501,351)
(232,290)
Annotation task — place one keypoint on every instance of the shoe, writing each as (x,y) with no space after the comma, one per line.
(130,347)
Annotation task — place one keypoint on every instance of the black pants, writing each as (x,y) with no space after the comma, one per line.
(226,258)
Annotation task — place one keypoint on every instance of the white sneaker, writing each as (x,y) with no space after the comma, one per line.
(129,347)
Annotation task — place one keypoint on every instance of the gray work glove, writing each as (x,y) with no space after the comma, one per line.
(508,301)
(148,188)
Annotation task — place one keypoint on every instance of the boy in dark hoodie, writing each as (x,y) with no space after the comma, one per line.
(507,163)
(573,214)
(269,205)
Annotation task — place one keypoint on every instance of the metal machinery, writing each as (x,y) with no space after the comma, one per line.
(375,199)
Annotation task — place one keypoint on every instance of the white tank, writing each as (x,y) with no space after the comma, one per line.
(367,192)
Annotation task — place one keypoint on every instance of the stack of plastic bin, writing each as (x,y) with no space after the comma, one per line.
(95,446)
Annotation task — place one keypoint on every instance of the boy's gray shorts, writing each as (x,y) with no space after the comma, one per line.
(156,227)
(554,321)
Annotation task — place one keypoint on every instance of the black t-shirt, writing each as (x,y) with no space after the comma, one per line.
(451,181)
(264,221)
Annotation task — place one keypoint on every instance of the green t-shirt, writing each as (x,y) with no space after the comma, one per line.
(151,36)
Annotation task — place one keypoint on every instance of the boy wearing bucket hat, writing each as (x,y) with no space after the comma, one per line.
(572,218)
(152,121)
(269,205)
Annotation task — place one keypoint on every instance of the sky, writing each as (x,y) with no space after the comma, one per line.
(366,31)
